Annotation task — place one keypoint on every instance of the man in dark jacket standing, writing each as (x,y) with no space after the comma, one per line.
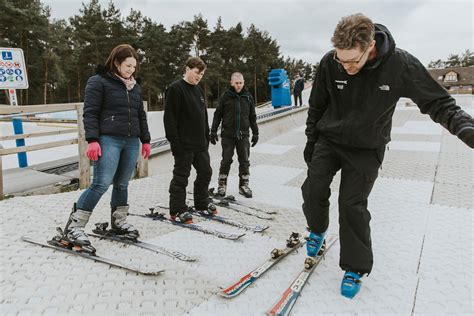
(187,130)
(236,110)
(349,121)
(298,91)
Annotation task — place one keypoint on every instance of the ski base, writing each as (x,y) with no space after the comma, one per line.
(102,233)
(293,242)
(288,299)
(54,245)
(231,199)
(163,218)
(224,220)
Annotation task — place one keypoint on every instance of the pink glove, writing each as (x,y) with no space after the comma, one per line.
(93,151)
(145,151)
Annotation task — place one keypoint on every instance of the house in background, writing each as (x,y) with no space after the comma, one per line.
(457,80)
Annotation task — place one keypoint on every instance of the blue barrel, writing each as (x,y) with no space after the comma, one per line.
(280,84)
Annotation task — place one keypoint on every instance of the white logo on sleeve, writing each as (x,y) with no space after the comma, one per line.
(384,87)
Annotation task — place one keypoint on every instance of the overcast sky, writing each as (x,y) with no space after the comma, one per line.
(428,29)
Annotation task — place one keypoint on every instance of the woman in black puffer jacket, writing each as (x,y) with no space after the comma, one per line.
(115,123)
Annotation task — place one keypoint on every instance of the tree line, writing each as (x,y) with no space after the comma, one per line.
(454,60)
(62,54)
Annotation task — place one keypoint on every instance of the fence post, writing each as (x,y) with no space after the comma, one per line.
(84,163)
(141,169)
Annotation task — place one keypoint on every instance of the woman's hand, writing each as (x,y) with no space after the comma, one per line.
(93,151)
(145,151)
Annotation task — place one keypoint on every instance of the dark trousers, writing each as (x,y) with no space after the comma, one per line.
(298,96)
(229,144)
(181,171)
(359,170)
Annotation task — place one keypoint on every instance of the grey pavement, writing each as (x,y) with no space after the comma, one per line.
(422,233)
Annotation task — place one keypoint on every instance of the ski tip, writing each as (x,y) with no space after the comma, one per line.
(151,273)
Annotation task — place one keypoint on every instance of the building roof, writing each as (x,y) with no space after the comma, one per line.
(465,75)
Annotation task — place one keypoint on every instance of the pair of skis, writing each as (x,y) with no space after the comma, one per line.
(56,244)
(223,220)
(287,300)
(157,216)
(232,200)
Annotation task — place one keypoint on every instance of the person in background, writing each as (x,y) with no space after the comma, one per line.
(236,111)
(298,91)
(114,122)
(351,105)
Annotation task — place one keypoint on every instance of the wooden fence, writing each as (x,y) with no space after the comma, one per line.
(84,162)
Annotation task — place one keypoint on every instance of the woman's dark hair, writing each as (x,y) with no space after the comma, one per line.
(119,54)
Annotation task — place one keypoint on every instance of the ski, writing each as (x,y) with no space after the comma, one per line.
(293,242)
(163,218)
(231,199)
(56,245)
(288,299)
(240,208)
(101,232)
(224,220)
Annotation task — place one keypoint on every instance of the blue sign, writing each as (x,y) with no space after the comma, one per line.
(2,71)
(18,71)
(7,56)
(3,78)
(9,71)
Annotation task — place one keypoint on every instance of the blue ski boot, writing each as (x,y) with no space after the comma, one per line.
(350,285)
(314,243)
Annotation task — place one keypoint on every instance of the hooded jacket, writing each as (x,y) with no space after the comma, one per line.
(356,110)
(237,113)
(110,109)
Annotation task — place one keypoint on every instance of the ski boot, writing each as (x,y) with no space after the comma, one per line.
(73,236)
(315,243)
(120,226)
(211,210)
(222,185)
(182,216)
(244,188)
(350,285)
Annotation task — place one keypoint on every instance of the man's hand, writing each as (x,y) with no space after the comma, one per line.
(467,136)
(254,139)
(214,138)
(308,151)
(176,149)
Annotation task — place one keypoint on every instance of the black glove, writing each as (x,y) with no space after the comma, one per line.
(254,140)
(308,151)
(467,136)
(214,138)
(176,149)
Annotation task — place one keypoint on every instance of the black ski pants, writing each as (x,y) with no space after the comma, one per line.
(181,171)
(359,170)
(229,144)
(299,97)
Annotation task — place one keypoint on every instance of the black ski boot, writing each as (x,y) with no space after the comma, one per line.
(244,188)
(210,210)
(222,185)
(120,226)
(182,216)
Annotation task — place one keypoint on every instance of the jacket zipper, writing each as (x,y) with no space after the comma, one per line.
(129,114)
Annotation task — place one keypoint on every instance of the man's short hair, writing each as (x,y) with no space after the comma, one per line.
(196,62)
(236,75)
(353,31)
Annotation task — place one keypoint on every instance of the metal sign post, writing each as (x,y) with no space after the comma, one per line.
(13,76)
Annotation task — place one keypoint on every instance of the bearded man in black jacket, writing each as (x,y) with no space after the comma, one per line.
(354,95)
(236,111)
(187,130)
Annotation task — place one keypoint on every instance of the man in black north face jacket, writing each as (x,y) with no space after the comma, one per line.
(236,110)
(351,105)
